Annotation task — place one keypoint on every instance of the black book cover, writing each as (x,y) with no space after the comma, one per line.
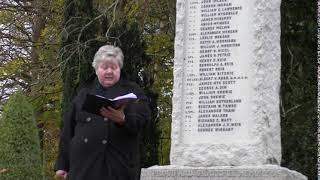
(93,103)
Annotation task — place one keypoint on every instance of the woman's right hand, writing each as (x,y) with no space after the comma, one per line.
(61,174)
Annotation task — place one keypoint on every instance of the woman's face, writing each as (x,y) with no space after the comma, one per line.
(108,72)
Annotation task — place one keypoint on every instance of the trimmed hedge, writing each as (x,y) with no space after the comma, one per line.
(20,153)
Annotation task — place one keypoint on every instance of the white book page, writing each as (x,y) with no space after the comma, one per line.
(126,96)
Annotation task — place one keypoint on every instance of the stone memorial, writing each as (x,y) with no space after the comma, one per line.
(225,119)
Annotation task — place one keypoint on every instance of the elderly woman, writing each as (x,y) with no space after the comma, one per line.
(104,146)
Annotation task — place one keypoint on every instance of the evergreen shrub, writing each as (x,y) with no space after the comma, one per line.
(20,154)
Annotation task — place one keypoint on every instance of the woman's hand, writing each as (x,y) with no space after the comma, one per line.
(115,115)
(61,174)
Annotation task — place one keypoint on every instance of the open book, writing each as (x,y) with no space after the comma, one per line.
(93,103)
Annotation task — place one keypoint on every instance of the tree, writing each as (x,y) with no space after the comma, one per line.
(19,140)
(76,52)
(27,45)
(29,40)
(299,86)
(159,27)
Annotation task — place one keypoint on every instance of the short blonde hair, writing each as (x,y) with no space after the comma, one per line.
(105,52)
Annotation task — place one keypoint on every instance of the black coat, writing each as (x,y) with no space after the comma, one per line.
(94,148)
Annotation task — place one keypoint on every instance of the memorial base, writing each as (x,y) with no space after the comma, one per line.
(266,172)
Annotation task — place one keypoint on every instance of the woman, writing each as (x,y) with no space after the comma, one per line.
(104,146)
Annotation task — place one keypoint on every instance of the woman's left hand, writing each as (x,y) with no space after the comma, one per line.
(115,115)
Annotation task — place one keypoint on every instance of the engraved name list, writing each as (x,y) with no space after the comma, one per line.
(216,71)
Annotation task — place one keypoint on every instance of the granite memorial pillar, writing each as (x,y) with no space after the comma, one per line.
(225,119)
